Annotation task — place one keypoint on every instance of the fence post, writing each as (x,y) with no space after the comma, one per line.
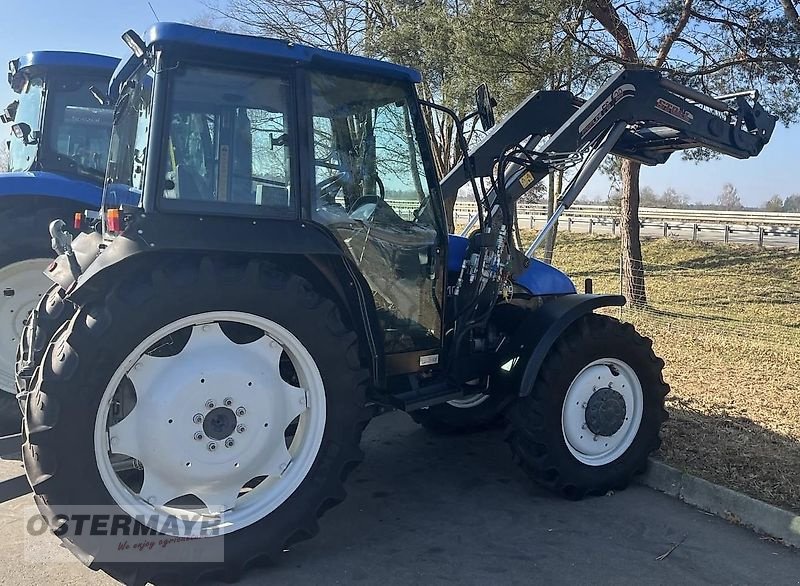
(760,237)
(530,219)
(569,224)
(694,232)
(727,234)
(666,229)
(613,226)
(591,225)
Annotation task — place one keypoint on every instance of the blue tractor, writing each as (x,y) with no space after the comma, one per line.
(58,149)
(287,273)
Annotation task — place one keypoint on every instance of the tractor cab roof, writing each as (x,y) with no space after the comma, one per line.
(206,43)
(58,60)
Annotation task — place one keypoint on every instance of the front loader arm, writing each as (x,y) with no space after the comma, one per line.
(660,117)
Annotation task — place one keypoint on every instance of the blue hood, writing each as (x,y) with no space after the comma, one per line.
(539,278)
(43,183)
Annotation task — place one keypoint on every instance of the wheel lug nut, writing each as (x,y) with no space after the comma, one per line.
(229,442)
(228,402)
(210,404)
(198,418)
(240,411)
(241,429)
(212,446)
(198,436)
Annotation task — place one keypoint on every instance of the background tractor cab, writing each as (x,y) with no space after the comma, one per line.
(58,148)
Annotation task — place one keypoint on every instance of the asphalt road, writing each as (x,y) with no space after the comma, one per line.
(424,509)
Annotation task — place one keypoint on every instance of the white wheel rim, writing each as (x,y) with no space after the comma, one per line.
(28,283)
(211,373)
(612,376)
(469,401)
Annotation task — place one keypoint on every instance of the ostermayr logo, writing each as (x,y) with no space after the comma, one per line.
(120,524)
(145,537)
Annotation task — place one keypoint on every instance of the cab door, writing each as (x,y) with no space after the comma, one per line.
(372,191)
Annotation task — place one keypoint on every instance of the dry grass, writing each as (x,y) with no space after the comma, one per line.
(726,322)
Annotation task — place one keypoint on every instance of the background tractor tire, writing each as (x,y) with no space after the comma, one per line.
(50,313)
(541,422)
(10,417)
(24,254)
(59,451)
(471,414)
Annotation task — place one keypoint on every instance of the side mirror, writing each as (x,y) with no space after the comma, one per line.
(22,130)
(485,104)
(135,43)
(9,113)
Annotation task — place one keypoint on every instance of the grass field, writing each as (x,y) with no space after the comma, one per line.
(726,320)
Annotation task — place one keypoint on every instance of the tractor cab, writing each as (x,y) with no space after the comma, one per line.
(239,131)
(58,125)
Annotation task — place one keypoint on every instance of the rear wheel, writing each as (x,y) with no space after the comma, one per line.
(595,411)
(237,398)
(475,412)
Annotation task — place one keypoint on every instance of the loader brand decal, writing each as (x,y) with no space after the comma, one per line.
(429,360)
(624,91)
(674,111)
(526,179)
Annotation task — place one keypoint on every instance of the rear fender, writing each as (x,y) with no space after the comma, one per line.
(296,247)
(542,327)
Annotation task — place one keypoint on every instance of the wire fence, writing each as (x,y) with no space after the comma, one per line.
(727,297)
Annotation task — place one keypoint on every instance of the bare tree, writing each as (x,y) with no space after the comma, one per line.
(774,204)
(714,46)
(729,198)
(338,25)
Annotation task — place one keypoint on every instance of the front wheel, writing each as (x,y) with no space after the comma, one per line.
(228,393)
(595,411)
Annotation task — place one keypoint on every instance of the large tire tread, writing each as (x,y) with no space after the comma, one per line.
(54,387)
(533,419)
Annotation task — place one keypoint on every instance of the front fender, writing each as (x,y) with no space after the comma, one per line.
(543,326)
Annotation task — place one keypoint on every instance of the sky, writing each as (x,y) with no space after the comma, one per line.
(96,25)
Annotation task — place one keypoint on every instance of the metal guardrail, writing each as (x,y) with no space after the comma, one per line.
(688,215)
(758,224)
(758,234)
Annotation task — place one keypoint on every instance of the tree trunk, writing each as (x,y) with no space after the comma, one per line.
(631,246)
(554,185)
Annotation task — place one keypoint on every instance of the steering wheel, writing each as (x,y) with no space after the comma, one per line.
(327,188)
(363,207)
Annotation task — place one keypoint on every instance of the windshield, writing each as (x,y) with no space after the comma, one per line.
(128,146)
(77,127)
(22,156)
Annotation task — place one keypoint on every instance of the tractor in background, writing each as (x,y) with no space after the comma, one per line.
(58,149)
